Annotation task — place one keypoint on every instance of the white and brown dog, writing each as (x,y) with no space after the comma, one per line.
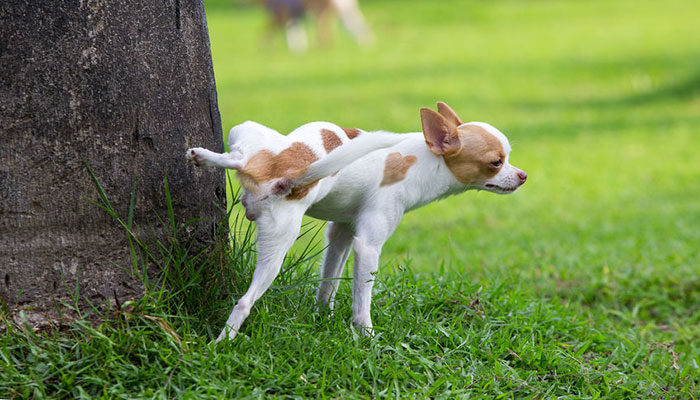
(362,182)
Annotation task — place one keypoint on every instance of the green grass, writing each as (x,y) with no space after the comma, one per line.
(583,284)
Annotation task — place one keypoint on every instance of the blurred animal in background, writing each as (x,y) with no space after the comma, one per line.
(288,15)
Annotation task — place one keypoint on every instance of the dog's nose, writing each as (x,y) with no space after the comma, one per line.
(523,177)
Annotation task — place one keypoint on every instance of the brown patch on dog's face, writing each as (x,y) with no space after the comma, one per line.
(395,168)
(330,140)
(263,166)
(351,132)
(476,160)
(472,153)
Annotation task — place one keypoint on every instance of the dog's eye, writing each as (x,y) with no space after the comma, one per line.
(497,163)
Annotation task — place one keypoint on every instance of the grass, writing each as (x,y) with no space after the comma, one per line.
(583,284)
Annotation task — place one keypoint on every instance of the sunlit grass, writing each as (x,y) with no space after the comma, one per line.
(600,108)
(601,102)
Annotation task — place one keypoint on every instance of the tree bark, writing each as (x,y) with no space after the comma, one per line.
(125,86)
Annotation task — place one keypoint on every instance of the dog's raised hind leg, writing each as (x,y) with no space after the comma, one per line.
(276,234)
(207,158)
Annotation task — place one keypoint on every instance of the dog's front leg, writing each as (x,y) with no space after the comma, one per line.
(339,238)
(276,234)
(371,233)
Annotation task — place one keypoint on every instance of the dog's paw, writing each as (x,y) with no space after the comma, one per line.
(226,334)
(195,156)
(363,327)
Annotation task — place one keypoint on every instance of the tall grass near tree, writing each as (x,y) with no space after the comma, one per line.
(583,284)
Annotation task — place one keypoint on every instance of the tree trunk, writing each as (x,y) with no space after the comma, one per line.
(125,86)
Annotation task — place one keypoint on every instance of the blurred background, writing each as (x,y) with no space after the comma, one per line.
(600,100)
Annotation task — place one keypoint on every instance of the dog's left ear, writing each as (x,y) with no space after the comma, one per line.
(440,134)
(449,114)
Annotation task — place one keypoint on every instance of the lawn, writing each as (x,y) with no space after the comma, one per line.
(583,284)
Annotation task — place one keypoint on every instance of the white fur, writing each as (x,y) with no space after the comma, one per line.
(363,213)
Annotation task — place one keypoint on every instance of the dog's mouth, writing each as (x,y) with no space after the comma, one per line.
(500,189)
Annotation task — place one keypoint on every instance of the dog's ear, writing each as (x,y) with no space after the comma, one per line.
(440,134)
(447,112)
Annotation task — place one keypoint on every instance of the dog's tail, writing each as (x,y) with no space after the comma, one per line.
(350,151)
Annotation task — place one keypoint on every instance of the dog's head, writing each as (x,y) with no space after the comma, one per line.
(475,152)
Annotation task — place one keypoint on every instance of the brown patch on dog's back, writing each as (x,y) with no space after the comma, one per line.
(330,140)
(472,163)
(395,168)
(352,133)
(263,166)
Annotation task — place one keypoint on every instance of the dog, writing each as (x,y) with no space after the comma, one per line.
(289,14)
(361,182)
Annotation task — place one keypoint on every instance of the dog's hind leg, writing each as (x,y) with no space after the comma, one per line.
(276,233)
(339,239)
(207,158)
